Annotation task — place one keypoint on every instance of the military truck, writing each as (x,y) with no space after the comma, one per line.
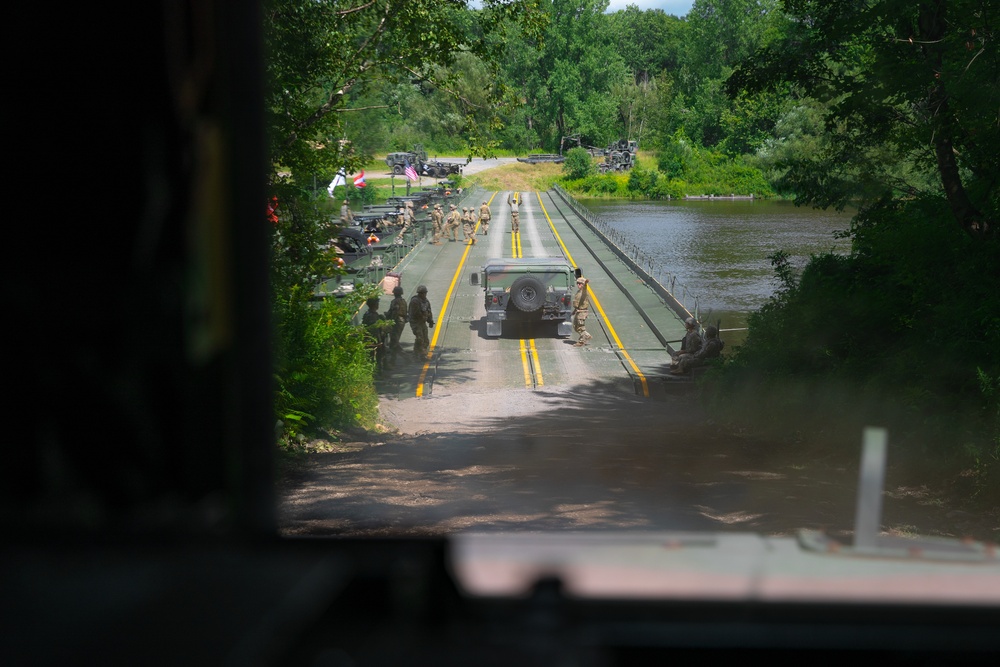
(397,161)
(530,289)
(418,159)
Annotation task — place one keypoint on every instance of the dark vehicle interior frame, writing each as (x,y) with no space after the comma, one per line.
(138,495)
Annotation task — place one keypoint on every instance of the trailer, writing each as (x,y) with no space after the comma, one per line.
(619,156)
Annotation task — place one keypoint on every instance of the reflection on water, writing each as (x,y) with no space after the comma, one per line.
(719,249)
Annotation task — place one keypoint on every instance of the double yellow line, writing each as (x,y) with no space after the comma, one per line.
(530,379)
(536,379)
(515,243)
(597,305)
(443,313)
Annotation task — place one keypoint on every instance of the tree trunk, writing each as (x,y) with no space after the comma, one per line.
(933,25)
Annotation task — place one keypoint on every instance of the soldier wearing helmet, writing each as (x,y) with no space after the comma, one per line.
(581,309)
(397,314)
(691,343)
(514,201)
(421,318)
(484,218)
(710,349)
(454,221)
(437,223)
(468,226)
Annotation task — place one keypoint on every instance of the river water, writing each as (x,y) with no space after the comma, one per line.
(718,250)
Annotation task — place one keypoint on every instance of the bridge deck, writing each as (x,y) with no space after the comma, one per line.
(626,351)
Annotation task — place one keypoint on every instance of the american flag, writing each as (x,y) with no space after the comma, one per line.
(410,172)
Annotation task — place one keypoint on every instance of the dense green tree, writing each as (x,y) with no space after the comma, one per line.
(649,40)
(718,34)
(322,56)
(912,83)
(566,82)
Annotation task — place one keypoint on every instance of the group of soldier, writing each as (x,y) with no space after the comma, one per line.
(447,226)
(696,349)
(385,329)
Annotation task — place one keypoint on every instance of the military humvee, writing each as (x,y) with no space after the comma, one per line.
(532,289)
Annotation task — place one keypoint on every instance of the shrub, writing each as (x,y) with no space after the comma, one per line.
(323,371)
(578,164)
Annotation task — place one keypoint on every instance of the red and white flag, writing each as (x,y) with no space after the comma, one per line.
(359,180)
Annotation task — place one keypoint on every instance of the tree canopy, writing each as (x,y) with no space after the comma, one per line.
(324,56)
(901,83)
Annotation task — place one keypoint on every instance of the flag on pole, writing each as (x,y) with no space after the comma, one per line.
(410,172)
(339,179)
(359,180)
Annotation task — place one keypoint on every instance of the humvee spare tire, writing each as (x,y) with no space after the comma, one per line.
(527,294)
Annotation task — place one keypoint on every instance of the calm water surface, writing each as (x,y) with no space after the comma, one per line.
(719,249)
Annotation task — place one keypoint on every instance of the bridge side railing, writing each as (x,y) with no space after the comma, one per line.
(657,276)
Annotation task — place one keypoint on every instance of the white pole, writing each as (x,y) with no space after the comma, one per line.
(871,478)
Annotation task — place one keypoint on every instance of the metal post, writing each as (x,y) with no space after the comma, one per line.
(871,478)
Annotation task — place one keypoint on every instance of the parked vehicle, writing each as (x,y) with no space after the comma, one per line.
(619,156)
(418,160)
(530,289)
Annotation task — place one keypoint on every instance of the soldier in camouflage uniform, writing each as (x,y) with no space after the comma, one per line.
(484,218)
(421,318)
(468,226)
(692,342)
(581,309)
(376,334)
(514,201)
(454,220)
(408,213)
(346,215)
(437,223)
(397,314)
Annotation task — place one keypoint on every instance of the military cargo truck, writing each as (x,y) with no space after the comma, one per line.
(418,159)
(530,289)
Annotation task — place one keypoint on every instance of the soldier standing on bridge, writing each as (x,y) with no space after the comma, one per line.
(454,220)
(372,322)
(397,314)
(581,308)
(484,218)
(421,318)
(469,226)
(437,220)
(513,200)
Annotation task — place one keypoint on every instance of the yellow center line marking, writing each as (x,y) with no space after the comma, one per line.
(538,365)
(441,317)
(597,303)
(525,365)
(520,252)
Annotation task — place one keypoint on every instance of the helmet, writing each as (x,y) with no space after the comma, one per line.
(422,289)
(397,290)
(711,331)
(690,322)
